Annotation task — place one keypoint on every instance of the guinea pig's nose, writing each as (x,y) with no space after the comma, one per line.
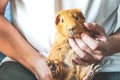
(72,31)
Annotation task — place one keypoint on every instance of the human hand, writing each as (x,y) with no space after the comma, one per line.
(90,50)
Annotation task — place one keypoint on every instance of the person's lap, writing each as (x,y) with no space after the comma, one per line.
(14,71)
(107,76)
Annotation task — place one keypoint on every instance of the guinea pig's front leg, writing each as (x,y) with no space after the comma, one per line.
(59,70)
(93,69)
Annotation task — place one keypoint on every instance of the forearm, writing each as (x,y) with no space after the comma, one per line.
(113,43)
(15,46)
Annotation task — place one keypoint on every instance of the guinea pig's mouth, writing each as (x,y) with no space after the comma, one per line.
(72,33)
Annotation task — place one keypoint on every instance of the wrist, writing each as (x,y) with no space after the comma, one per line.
(37,57)
(109,46)
(35,60)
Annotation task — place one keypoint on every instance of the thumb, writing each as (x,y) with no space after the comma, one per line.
(97,30)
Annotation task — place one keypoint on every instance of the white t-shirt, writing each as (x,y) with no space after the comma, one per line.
(35,20)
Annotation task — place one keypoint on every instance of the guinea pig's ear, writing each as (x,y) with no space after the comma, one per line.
(57,19)
(80,14)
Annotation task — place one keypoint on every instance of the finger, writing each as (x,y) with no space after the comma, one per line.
(95,46)
(83,45)
(80,62)
(76,48)
(86,60)
(86,48)
(98,55)
(92,43)
(88,26)
(94,27)
(97,29)
(82,55)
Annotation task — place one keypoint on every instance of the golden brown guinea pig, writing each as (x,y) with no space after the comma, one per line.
(69,23)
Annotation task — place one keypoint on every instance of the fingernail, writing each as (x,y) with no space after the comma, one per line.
(83,34)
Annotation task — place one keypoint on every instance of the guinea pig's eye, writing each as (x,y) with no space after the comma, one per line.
(62,20)
(76,17)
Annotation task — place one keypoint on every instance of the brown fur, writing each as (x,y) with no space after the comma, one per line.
(69,23)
